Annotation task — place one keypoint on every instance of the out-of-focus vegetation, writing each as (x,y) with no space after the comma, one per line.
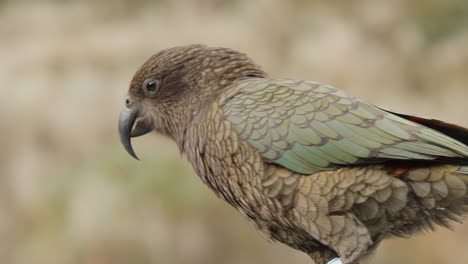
(70,194)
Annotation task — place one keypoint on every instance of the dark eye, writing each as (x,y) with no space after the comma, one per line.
(151,86)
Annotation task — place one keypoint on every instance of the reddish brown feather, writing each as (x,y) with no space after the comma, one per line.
(398,167)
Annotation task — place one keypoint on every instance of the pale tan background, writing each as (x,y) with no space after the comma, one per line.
(70,194)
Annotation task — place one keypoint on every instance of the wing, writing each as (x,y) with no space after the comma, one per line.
(309,127)
(454,131)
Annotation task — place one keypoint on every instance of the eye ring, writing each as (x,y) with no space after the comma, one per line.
(151,86)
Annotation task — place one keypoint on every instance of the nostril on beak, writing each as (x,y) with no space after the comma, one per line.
(127,102)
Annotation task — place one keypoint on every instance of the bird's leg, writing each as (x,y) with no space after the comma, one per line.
(352,242)
(349,244)
(353,258)
(335,261)
(323,256)
(344,234)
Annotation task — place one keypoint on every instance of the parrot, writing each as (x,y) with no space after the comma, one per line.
(307,164)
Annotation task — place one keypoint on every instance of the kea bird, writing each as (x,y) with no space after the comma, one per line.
(309,165)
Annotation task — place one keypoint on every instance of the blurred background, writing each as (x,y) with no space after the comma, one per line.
(69,193)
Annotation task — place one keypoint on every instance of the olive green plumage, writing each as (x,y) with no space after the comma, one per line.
(309,165)
(309,127)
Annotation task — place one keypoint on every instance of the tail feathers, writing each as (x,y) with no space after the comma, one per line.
(454,131)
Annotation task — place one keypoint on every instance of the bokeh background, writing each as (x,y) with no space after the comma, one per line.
(70,194)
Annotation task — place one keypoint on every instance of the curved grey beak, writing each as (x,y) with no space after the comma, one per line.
(128,129)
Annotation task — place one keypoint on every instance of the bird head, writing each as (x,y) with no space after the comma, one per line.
(173,85)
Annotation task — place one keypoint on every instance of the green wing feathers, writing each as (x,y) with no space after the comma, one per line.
(309,127)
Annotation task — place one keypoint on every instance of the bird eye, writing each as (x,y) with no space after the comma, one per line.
(150,86)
